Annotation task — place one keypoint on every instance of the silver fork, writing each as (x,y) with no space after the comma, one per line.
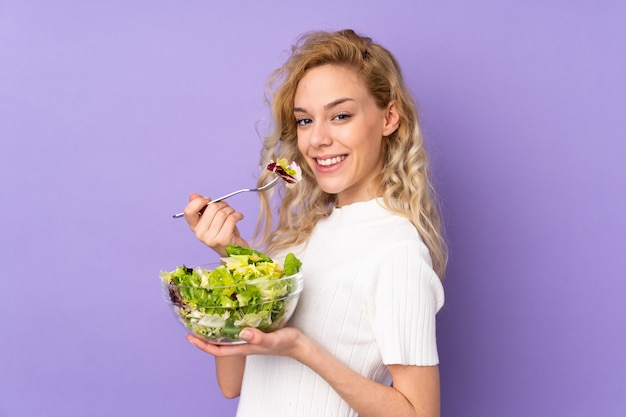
(262,188)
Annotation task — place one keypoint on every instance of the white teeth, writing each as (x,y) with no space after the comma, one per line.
(330,161)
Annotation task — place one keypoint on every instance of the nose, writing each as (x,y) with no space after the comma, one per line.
(320,135)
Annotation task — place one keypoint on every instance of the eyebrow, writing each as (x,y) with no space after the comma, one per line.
(328,106)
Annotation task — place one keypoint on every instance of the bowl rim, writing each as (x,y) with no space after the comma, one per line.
(298,275)
(288,296)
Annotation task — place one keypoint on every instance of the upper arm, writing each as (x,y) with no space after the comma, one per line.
(402,302)
(420,386)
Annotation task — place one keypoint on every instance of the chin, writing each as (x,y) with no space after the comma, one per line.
(331,190)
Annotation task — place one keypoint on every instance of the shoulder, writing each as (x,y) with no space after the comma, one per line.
(404,264)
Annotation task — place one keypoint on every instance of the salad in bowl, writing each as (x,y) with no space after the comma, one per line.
(247,289)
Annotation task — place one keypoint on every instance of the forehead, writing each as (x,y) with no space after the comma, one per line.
(329,82)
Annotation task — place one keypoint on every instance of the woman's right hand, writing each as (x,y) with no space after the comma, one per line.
(217,226)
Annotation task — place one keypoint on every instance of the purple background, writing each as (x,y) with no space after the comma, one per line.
(111,113)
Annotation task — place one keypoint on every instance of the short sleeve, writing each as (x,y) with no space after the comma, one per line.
(401,303)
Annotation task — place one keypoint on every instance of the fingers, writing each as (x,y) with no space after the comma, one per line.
(196,203)
(203,346)
(287,341)
(221,350)
(216,226)
(252,336)
(193,196)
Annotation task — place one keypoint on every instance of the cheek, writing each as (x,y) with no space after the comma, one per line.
(301,145)
(374,144)
(376,152)
(302,148)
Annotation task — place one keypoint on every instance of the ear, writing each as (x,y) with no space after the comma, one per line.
(392,119)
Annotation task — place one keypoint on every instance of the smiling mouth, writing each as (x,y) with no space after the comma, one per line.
(326,162)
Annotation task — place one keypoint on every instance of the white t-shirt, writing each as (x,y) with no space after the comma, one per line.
(370,298)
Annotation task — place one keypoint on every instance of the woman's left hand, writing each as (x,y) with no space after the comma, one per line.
(283,342)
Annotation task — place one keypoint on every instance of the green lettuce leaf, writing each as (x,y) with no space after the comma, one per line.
(246,290)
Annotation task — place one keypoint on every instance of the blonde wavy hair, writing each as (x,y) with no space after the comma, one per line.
(404,181)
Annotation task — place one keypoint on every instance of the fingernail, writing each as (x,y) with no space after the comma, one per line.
(245,334)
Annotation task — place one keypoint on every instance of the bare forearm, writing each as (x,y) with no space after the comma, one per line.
(415,391)
(229,371)
(366,397)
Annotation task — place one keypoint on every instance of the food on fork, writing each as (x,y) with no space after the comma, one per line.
(289,172)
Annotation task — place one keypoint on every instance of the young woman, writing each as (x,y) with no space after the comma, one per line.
(363,220)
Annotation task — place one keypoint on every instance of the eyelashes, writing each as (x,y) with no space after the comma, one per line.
(303,121)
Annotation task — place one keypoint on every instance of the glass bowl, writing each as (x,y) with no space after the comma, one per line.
(218,314)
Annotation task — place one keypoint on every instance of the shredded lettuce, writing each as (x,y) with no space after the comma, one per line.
(291,173)
(248,289)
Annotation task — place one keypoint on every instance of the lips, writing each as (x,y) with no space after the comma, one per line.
(329,161)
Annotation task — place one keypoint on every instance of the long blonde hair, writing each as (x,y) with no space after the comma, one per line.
(404,180)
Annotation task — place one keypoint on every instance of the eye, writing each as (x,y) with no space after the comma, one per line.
(303,121)
(342,116)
